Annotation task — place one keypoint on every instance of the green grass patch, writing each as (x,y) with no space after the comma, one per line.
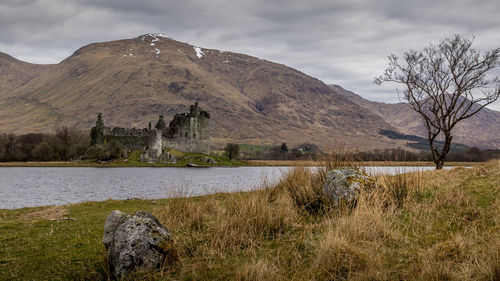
(254,148)
(182,158)
(133,160)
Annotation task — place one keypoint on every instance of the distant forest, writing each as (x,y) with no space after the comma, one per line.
(421,143)
(66,144)
(62,145)
(307,151)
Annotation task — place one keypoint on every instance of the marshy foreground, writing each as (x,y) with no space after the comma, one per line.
(436,225)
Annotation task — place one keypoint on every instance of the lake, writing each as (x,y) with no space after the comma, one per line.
(40,186)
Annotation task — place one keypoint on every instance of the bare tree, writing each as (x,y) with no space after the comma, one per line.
(445,83)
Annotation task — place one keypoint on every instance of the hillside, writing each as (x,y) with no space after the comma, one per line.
(481,130)
(15,73)
(133,81)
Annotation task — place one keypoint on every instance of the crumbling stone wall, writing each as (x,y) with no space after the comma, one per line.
(188,132)
(128,138)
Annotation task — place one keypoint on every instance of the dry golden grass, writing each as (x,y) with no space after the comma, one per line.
(255,218)
(51,213)
(352,247)
(282,163)
(436,225)
(304,187)
(259,270)
(363,163)
(186,214)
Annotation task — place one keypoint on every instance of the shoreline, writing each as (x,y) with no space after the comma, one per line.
(292,163)
(242,163)
(84,164)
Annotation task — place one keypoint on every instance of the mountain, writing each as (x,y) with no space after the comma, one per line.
(132,81)
(15,73)
(481,130)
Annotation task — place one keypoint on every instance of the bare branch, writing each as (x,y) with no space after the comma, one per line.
(445,84)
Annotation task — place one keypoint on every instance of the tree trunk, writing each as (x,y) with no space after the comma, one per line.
(439,164)
(439,157)
(435,154)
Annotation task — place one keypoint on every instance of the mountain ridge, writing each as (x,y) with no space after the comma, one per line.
(132,81)
(481,130)
(15,73)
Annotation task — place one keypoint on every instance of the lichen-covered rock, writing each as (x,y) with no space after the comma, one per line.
(209,160)
(343,185)
(112,222)
(137,241)
(165,158)
(145,158)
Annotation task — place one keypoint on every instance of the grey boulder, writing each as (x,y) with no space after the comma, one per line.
(209,160)
(343,185)
(136,241)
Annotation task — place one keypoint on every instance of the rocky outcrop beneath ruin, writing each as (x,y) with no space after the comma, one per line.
(164,158)
(209,160)
(343,185)
(136,241)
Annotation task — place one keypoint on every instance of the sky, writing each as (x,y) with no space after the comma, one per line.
(343,42)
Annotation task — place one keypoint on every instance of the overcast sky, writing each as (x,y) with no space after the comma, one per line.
(341,42)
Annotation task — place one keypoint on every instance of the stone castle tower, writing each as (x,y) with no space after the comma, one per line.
(188,132)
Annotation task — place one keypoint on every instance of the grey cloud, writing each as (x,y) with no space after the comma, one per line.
(344,42)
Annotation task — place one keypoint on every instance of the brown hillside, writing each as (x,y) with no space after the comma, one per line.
(15,73)
(481,130)
(133,81)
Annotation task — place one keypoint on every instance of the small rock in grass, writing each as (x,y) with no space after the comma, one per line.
(343,185)
(136,241)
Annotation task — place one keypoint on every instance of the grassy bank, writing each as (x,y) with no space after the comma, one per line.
(363,163)
(438,225)
(183,159)
(221,162)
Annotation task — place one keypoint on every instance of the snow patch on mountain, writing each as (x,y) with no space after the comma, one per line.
(156,37)
(199,52)
(159,35)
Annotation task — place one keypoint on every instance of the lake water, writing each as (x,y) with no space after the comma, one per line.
(40,186)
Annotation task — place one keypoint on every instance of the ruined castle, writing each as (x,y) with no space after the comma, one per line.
(188,132)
